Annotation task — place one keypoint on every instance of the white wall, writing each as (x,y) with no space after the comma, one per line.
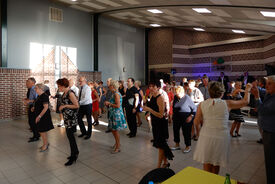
(120,46)
(28,21)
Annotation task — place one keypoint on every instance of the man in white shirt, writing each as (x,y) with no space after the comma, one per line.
(195,93)
(85,102)
(73,87)
(203,87)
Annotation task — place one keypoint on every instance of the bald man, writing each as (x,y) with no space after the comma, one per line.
(73,87)
(85,102)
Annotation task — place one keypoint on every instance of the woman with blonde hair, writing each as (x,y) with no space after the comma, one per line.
(184,110)
(211,121)
(116,115)
(236,114)
(43,115)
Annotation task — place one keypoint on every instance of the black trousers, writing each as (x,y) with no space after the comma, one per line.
(33,125)
(85,110)
(132,120)
(269,154)
(71,138)
(186,131)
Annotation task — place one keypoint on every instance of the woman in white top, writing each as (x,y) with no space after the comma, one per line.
(213,144)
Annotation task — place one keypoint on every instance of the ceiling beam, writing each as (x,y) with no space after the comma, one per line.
(189,5)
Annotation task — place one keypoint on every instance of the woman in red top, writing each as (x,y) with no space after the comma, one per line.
(95,99)
(171,95)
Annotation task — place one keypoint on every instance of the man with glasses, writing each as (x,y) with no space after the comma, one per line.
(85,102)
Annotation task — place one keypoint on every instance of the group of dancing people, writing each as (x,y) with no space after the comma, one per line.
(201,112)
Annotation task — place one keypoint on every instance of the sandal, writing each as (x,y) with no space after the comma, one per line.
(115,151)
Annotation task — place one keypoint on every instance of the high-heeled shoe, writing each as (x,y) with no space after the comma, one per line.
(167,165)
(43,150)
(71,161)
(114,146)
(42,146)
(115,151)
(237,134)
(232,135)
(139,124)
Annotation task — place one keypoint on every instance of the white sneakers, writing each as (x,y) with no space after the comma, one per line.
(175,148)
(187,149)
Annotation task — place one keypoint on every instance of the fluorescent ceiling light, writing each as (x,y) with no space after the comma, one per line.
(74,0)
(199,29)
(155,11)
(201,10)
(155,25)
(238,31)
(268,14)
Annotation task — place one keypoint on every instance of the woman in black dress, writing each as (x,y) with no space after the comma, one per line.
(43,115)
(159,125)
(122,91)
(236,114)
(68,107)
(58,96)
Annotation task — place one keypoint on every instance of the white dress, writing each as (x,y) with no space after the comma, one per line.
(214,140)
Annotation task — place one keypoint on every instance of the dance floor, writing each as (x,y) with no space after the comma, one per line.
(21,162)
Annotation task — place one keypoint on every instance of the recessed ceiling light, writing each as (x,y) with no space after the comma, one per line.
(74,0)
(238,31)
(201,10)
(155,25)
(155,11)
(198,29)
(268,14)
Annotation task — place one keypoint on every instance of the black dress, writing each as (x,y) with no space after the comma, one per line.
(58,95)
(45,124)
(122,92)
(236,114)
(139,109)
(160,130)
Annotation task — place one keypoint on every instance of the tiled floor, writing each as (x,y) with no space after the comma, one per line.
(20,162)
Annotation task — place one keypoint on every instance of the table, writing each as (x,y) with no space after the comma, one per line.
(191,175)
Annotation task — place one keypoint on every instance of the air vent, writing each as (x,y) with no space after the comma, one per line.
(55,15)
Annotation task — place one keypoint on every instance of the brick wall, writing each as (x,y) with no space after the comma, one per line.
(183,37)
(13,89)
(160,43)
(239,57)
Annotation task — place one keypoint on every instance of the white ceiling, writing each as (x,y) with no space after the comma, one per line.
(226,14)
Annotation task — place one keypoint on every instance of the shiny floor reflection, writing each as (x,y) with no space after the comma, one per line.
(21,162)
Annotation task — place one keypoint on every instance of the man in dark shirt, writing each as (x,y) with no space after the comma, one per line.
(132,98)
(31,97)
(224,80)
(266,116)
